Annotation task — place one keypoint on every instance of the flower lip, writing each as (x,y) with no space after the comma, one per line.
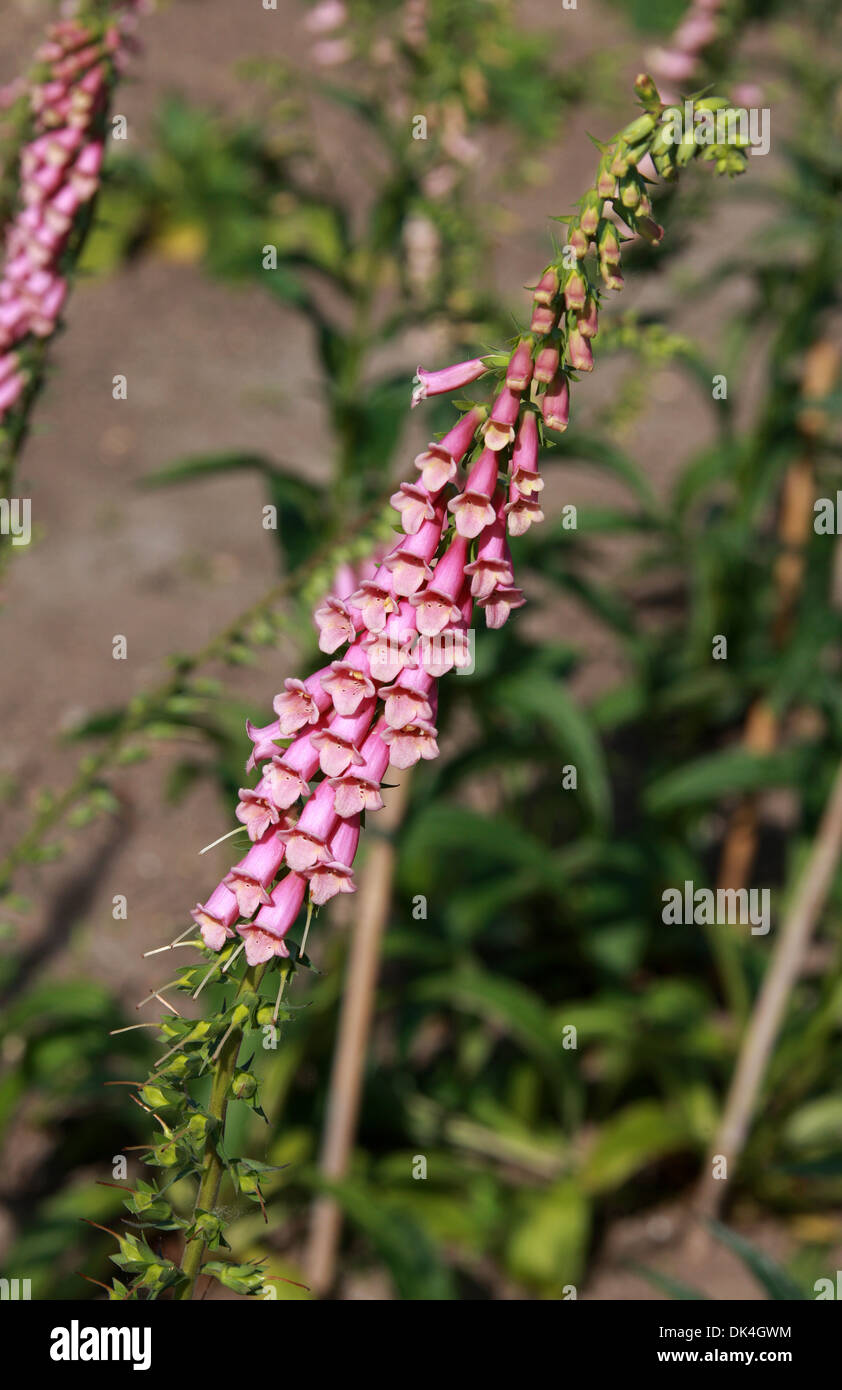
(415,506)
(335,623)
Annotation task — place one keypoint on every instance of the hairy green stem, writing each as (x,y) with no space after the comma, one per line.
(212,1165)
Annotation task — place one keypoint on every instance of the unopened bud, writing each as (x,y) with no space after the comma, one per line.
(645,88)
(635,130)
(244,1085)
(547,288)
(579,353)
(519,371)
(543,320)
(546,365)
(555,404)
(649,229)
(575,291)
(629,193)
(579,241)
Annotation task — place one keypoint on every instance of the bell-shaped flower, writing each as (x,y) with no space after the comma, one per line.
(348,682)
(264,937)
(301,703)
(472,509)
(250,879)
(493,565)
(435,606)
(335,622)
(338,742)
(519,370)
(307,841)
(406,699)
(216,917)
(376,602)
(439,461)
(500,429)
(412,742)
(414,504)
(408,562)
(358,789)
(500,603)
(525,473)
(555,405)
(336,874)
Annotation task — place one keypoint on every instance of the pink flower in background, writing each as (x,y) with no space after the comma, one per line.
(60,170)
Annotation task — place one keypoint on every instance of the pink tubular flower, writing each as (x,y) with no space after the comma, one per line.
(543,320)
(360,790)
(415,506)
(519,370)
(525,473)
(500,429)
(547,288)
(287,775)
(335,622)
(447,379)
(335,875)
(376,604)
(546,365)
(588,321)
(60,170)
(412,742)
(472,509)
(302,702)
(436,605)
(555,406)
(439,462)
(521,511)
(337,743)
(264,937)
(579,353)
(408,562)
(264,740)
(256,811)
(390,651)
(575,291)
(493,565)
(406,699)
(307,841)
(347,682)
(500,603)
(216,917)
(249,879)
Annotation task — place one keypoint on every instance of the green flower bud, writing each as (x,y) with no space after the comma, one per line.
(238,1278)
(635,130)
(153,1096)
(244,1085)
(645,88)
(629,193)
(197,1128)
(608,244)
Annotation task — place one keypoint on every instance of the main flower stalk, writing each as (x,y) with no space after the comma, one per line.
(322,760)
